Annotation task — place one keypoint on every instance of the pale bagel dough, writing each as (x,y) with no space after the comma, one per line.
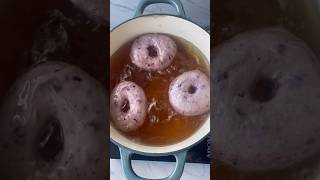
(266,87)
(54,126)
(153,52)
(189,93)
(128,106)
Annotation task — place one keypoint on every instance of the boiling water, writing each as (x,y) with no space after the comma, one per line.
(162,124)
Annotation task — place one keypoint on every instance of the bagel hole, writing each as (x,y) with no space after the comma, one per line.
(192,89)
(152,51)
(51,141)
(263,89)
(125,106)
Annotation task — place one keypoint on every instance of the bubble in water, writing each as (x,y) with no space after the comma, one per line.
(153,119)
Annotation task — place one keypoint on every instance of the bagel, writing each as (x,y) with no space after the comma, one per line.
(189,93)
(266,100)
(53,126)
(153,52)
(128,106)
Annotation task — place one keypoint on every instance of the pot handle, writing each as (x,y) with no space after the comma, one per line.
(175,3)
(131,175)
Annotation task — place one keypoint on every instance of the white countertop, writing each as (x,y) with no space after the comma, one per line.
(199,12)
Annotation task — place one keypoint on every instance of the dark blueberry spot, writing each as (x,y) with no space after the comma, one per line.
(57,70)
(298,78)
(152,51)
(95,126)
(240,112)
(281,48)
(296,82)
(310,141)
(308,109)
(259,58)
(67,78)
(263,89)
(224,76)
(57,87)
(277,129)
(76,78)
(18,134)
(235,162)
(241,94)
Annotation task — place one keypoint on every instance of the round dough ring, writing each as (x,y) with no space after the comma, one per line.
(266,86)
(53,126)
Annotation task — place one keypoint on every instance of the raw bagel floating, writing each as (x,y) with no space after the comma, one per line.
(128,106)
(189,93)
(266,100)
(53,125)
(153,52)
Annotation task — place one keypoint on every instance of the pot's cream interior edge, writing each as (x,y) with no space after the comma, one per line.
(169,25)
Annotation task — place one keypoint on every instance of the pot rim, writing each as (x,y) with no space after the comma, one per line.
(158,154)
(158,14)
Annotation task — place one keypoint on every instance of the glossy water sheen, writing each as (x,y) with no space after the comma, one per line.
(162,125)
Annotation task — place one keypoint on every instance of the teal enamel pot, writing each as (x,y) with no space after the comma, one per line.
(176,25)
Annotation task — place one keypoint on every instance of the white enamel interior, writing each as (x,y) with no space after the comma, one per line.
(169,25)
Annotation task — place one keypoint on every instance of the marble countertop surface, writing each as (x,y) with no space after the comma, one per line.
(199,12)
